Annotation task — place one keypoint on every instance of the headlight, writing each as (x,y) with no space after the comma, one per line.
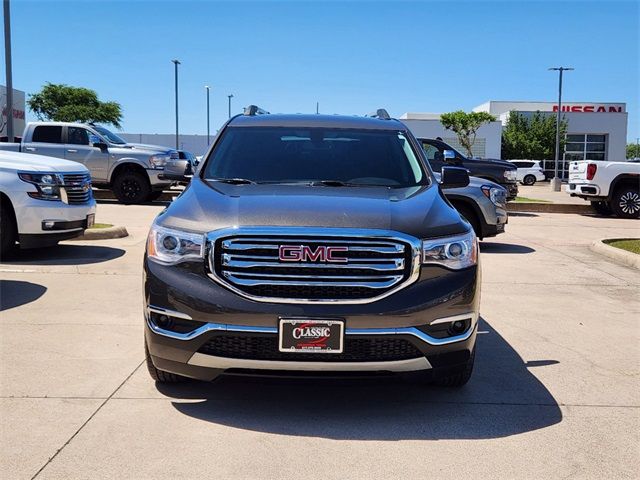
(47,185)
(169,246)
(497,195)
(158,161)
(458,252)
(510,175)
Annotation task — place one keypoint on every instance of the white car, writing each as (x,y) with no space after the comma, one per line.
(611,187)
(529,171)
(43,200)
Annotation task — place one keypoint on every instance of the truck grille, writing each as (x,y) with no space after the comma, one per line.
(265,347)
(77,187)
(357,270)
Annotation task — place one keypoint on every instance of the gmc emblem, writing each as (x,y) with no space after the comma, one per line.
(303,253)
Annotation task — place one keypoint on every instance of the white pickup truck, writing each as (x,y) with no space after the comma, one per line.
(42,200)
(131,170)
(612,187)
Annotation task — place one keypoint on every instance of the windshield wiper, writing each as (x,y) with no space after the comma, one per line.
(232,181)
(333,183)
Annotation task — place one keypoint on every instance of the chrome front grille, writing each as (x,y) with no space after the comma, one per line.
(77,187)
(340,265)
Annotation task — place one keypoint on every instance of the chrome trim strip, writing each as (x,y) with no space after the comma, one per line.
(366,235)
(211,361)
(171,313)
(296,280)
(228,260)
(419,334)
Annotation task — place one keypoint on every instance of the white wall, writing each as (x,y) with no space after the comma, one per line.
(196,144)
(613,124)
(488,141)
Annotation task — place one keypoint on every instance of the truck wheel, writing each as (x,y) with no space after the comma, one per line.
(626,202)
(529,180)
(8,230)
(131,187)
(602,208)
(471,217)
(461,377)
(160,375)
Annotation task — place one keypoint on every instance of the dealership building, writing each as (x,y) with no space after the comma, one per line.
(595,131)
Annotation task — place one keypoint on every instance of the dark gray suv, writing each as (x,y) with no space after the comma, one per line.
(312,243)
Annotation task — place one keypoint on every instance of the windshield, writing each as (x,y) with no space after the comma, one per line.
(112,137)
(295,155)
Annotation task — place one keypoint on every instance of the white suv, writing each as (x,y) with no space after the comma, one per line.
(529,171)
(43,200)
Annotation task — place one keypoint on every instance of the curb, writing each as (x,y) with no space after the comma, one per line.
(549,207)
(103,233)
(622,256)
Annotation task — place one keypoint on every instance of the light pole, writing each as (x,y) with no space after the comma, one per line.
(7,56)
(208,135)
(556,181)
(230,97)
(176,63)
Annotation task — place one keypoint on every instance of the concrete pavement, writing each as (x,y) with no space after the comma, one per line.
(554,394)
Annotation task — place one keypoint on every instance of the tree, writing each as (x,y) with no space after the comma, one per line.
(532,137)
(63,103)
(465,125)
(633,150)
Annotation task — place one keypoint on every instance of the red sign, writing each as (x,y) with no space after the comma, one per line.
(590,108)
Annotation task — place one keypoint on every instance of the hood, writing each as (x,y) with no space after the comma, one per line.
(493,161)
(141,148)
(28,162)
(419,211)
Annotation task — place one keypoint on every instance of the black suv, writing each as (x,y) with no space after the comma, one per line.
(312,243)
(498,171)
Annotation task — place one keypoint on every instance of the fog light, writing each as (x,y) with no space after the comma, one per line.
(163,321)
(458,326)
(49,224)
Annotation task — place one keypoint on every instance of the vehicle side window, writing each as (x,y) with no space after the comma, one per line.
(77,136)
(47,134)
(434,156)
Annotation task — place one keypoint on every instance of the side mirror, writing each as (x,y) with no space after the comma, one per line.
(177,170)
(449,155)
(454,177)
(101,145)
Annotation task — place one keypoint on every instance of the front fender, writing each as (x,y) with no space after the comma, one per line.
(113,164)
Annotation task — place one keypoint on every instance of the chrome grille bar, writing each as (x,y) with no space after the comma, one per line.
(369,265)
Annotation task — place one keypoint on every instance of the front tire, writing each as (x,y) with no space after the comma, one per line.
(131,187)
(8,230)
(158,375)
(460,377)
(626,202)
(602,208)
(529,180)
(471,217)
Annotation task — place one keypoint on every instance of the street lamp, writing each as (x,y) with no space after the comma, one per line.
(230,97)
(176,63)
(555,181)
(207,87)
(7,56)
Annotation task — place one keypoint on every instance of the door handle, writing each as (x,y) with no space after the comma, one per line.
(30,149)
(72,150)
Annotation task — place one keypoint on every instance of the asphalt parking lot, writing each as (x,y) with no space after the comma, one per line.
(554,393)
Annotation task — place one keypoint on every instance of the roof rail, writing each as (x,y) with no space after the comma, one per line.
(380,113)
(253,110)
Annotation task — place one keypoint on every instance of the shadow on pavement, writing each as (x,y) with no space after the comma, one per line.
(523,214)
(494,247)
(503,398)
(155,203)
(14,293)
(64,255)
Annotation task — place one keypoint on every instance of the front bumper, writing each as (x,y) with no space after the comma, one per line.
(156,179)
(397,324)
(512,190)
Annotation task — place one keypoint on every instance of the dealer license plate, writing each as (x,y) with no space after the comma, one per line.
(306,335)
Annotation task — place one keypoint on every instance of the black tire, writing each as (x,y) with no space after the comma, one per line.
(602,208)
(160,375)
(8,230)
(471,216)
(529,180)
(626,202)
(131,186)
(459,378)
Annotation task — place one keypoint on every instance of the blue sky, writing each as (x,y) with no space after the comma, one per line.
(352,57)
